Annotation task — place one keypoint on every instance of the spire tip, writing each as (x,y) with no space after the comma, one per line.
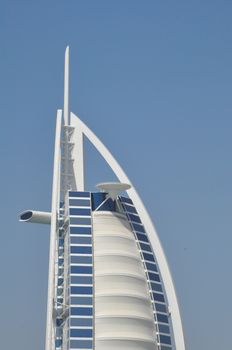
(66,86)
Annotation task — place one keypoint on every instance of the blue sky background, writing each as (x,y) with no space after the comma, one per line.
(153,79)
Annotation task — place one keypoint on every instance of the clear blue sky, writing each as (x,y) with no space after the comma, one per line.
(153,79)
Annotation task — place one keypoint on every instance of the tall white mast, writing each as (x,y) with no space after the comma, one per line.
(66,165)
(66,87)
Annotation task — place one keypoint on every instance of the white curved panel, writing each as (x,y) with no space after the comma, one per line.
(126,326)
(154,239)
(134,308)
(120,293)
(114,265)
(114,244)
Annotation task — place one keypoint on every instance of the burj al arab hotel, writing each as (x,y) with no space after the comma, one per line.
(109,284)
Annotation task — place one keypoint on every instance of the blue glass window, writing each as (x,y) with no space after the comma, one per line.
(60,270)
(164,329)
(138,228)
(81,250)
(81,259)
(61,221)
(130,209)
(79,202)
(145,247)
(81,344)
(75,322)
(81,333)
(80,221)
(81,269)
(60,261)
(81,301)
(79,194)
(85,311)
(97,199)
(80,230)
(59,322)
(60,281)
(61,241)
(126,200)
(81,240)
(79,211)
(59,332)
(81,280)
(59,291)
(158,297)
(151,267)
(142,238)
(148,257)
(160,307)
(81,290)
(61,249)
(58,343)
(165,348)
(165,339)
(61,232)
(154,276)
(59,301)
(108,205)
(162,318)
(134,218)
(156,287)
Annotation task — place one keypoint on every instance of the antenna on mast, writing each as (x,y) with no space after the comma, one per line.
(66,87)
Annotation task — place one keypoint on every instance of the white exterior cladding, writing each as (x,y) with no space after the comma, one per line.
(123,308)
(109,285)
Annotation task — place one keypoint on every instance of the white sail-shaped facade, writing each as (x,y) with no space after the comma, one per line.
(123,308)
(109,284)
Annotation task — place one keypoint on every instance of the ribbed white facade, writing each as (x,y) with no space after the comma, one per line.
(123,309)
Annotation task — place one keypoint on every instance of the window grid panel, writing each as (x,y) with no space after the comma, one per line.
(82,211)
(74,230)
(153,278)
(81,301)
(80,333)
(83,221)
(84,344)
(81,322)
(81,240)
(81,260)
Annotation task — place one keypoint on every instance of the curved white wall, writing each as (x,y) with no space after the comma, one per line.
(123,309)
